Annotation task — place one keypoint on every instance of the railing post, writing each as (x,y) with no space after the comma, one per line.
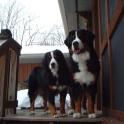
(9,56)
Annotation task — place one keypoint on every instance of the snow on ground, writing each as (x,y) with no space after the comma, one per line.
(23,100)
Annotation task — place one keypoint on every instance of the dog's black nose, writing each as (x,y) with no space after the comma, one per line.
(53,65)
(76,45)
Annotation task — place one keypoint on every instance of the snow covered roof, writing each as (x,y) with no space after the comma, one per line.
(34,54)
(36,49)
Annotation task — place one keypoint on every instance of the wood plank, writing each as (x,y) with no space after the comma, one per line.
(12,76)
(116,17)
(2,73)
(39,115)
(110,120)
(114,113)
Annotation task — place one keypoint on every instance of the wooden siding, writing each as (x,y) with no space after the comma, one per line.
(118,66)
(23,74)
(25,70)
(111,40)
(107,41)
(2,73)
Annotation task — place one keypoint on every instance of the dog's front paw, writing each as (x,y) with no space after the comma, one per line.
(55,116)
(70,112)
(91,116)
(63,114)
(77,115)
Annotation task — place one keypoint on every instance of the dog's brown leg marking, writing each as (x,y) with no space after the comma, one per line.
(78,104)
(32,101)
(62,104)
(90,103)
(45,103)
(72,104)
(52,109)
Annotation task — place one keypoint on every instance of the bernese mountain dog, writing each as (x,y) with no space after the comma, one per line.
(59,79)
(85,68)
(37,85)
(51,79)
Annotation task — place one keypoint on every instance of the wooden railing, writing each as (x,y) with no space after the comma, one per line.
(9,60)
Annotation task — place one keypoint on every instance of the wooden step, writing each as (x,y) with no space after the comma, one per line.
(39,117)
(41,120)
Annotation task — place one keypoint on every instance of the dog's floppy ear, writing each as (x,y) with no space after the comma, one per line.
(66,42)
(44,61)
(87,36)
(91,36)
(68,39)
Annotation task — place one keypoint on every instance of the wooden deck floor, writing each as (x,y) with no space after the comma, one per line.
(42,117)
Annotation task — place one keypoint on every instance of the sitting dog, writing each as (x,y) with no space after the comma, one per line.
(59,79)
(85,68)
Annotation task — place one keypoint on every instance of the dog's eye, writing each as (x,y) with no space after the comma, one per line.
(80,36)
(72,37)
(48,57)
(55,57)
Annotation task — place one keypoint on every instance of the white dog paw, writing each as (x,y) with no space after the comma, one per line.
(77,115)
(71,111)
(91,116)
(55,116)
(63,115)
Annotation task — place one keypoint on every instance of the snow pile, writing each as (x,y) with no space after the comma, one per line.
(23,100)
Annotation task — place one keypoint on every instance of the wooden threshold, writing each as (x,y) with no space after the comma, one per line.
(110,120)
(119,115)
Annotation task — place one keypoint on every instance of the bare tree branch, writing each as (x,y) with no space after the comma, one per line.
(23,29)
(32,37)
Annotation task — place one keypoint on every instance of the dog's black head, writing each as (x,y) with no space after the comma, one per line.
(54,61)
(79,40)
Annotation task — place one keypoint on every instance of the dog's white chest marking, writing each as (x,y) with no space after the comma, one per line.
(84,76)
(80,58)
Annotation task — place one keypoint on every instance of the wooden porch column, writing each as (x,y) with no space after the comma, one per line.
(9,60)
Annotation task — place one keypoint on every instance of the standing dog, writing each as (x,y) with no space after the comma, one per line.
(85,67)
(59,79)
(51,79)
